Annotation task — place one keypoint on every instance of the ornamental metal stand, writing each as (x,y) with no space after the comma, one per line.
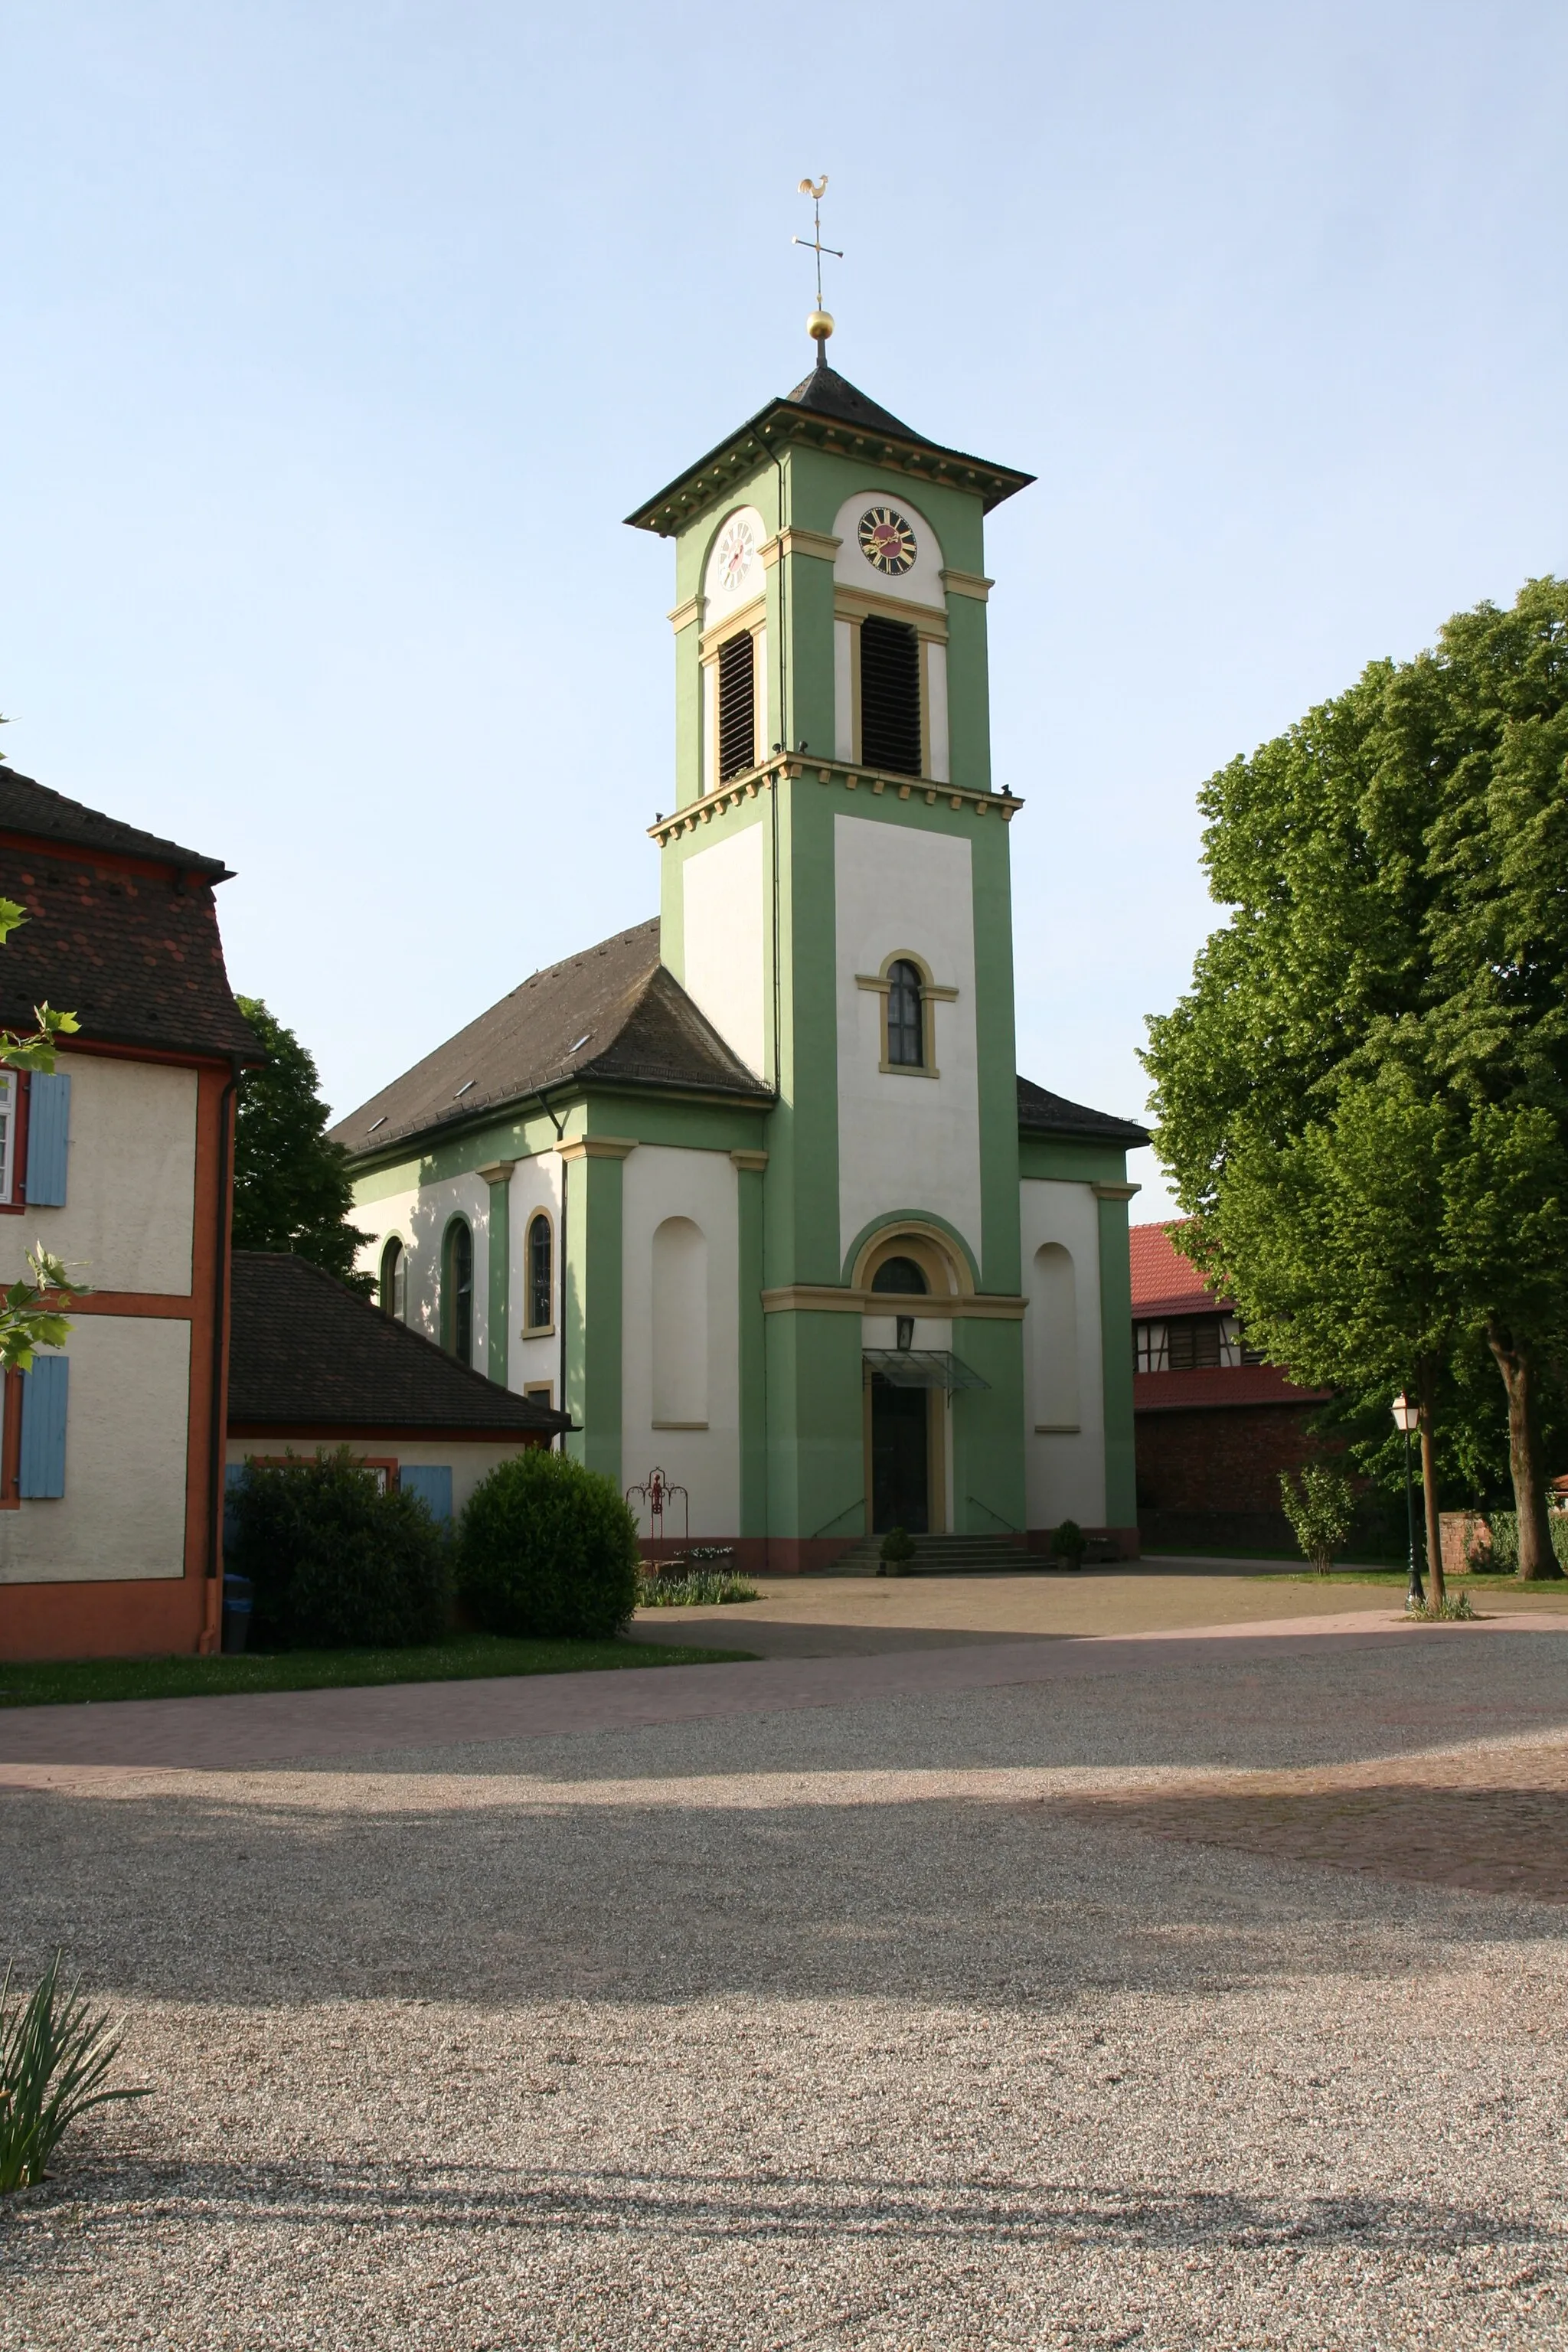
(656,1493)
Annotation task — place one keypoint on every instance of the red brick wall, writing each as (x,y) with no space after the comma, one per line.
(1226,1459)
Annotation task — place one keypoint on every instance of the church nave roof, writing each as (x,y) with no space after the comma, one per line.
(613,1015)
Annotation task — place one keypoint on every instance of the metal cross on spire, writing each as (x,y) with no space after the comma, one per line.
(819,326)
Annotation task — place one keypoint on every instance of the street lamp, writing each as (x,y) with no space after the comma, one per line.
(1407,1417)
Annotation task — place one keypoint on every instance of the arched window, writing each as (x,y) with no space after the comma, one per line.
(906,1017)
(395,1281)
(679,1325)
(902,1276)
(1056,1340)
(458,1293)
(889,695)
(737,706)
(541,1274)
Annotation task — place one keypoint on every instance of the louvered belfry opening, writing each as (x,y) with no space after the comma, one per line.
(889,695)
(737,707)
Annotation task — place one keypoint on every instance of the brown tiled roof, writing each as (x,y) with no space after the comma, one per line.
(132,948)
(305,1352)
(1043,1113)
(611,1016)
(1218,1384)
(26,806)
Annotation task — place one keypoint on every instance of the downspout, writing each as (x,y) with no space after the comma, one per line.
(218,1432)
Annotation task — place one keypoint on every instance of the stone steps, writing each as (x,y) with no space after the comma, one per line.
(941,1556)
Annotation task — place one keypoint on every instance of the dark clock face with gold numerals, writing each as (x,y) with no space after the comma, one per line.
(887,542)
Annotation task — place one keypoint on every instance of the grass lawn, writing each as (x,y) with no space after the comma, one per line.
(1504,1582)
(462,1657)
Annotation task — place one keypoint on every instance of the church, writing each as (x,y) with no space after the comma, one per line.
(754,1190)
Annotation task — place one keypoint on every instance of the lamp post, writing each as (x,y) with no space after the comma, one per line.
(1407,1418)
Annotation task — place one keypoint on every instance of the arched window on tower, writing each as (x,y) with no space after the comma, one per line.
(906,1017)
(737,706)
(458,1292)
(395,1281)
(889,695)
(541,1274)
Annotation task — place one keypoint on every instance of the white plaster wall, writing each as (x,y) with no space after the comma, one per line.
(467,1463)
(725,941)
(1064,1473)
(381,1219)
(844,689)
(130,1181)
(535,1184)
(920,585)
(123,1510)
(465,1195)
(905,1142)
(660,1182)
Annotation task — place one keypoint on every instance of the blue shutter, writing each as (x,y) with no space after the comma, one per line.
(44,1390)
(48,1130)
(432,1482)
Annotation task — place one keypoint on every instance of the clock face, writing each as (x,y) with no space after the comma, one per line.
(736,548)
(887,542)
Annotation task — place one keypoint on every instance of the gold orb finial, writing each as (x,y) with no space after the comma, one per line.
(819,326)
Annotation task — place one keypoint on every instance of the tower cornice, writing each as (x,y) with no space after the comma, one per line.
(849,775)
(784,424)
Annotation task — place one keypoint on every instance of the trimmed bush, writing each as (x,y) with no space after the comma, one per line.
(1504,1525)
(336,1564)
(895,1553)
(548,1548)
(1069,1543)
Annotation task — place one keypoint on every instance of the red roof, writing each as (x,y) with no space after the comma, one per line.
(1220,1384)
(1164,1281)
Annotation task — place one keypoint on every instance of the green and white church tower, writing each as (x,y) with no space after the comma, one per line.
(755,1189)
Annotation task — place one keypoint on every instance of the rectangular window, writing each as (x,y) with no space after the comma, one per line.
(541,1392)
(1194,1344)
(45,1391)
(737,707)
(48,1135)
(1149,1347)
(432,1482)
(889,695)
(8,1090)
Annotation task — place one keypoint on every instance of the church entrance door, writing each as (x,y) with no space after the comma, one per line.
(900,1458)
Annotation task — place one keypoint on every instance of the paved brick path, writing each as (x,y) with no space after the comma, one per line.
(1493,1820)
(282,1727)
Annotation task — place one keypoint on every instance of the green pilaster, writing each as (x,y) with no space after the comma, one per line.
(816,1463)
(594,1285)
(1116,1355)
(988,1496)
(754,1346)
(496,1174)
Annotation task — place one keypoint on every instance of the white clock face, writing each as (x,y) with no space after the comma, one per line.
(736,551)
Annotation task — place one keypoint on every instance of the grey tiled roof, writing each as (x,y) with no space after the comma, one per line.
(305,1352)
(32,808)
(611,1016)
(1043,1113)
(132,948)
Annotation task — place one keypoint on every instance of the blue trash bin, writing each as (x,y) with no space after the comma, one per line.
(236,1595)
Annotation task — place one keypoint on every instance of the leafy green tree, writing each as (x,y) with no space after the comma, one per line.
(1321,1508)
(291,1185)
(1365,1095)
(30,1313)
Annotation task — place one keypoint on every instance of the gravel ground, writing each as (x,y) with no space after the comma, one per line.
(826,2029)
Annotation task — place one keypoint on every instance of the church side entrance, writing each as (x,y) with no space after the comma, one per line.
(900,1458)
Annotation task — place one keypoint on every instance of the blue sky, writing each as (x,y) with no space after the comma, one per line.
(338,337)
